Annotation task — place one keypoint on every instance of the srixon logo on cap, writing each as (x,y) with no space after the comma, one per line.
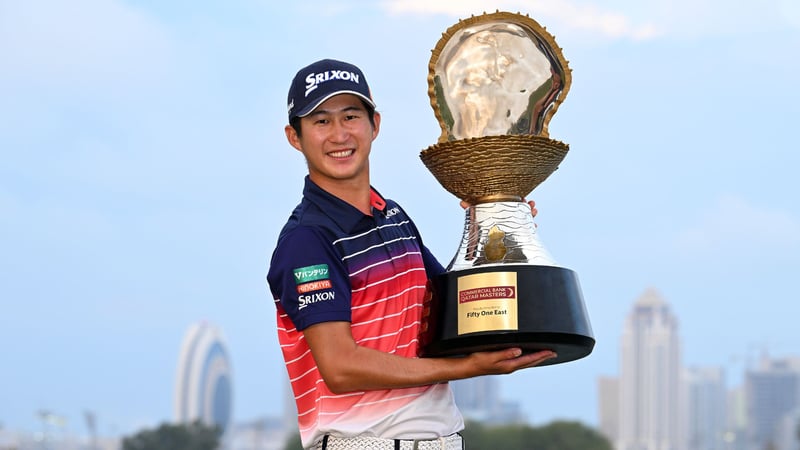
(313,80)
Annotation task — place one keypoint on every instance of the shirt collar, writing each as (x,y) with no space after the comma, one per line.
(344,214)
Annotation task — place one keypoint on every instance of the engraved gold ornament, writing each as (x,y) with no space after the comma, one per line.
(494,83)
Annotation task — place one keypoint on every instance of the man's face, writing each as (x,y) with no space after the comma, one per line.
(336,140)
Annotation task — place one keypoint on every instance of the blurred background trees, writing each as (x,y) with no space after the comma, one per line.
(195,436)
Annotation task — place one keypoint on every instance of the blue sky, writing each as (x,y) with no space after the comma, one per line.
(145,176)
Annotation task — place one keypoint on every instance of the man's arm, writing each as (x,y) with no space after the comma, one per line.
(346,366)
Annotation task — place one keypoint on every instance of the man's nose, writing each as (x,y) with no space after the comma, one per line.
(340,131)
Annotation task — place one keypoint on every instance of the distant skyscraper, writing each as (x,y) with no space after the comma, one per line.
(608,407)
(650,378)
(479,399)
(736,422)
(706,408)
(788,432)
(203,387)
(772,392)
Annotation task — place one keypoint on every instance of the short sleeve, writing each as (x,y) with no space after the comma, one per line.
(308,278)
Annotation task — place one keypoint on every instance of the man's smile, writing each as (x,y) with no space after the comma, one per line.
(341,153)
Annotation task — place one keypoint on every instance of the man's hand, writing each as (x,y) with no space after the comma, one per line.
(507,361)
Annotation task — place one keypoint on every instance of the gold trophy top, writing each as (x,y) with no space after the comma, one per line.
(494,82)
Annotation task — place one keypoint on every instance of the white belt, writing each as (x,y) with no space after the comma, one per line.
(451,442)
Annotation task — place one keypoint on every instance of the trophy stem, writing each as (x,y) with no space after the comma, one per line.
(499,233)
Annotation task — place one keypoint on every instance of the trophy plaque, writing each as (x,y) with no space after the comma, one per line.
(495,82)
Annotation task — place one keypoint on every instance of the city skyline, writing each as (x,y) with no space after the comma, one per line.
(658,403)
(146,174)
(204,349)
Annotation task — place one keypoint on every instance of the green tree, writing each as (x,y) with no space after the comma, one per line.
(293,443)
(558,435)
(562,435)
(195,436)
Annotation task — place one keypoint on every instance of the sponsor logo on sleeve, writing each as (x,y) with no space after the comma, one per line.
(315,297)
(311,273)
(314,286)
(311,279)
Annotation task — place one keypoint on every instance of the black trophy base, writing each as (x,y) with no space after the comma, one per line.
(549,307)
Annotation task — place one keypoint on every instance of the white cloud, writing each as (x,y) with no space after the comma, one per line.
(563,14)
(627,19)
(734,225)
(690,19)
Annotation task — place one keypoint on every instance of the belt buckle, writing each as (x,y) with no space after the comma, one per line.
(429,444)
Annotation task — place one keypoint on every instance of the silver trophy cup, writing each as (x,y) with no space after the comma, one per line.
(495,82)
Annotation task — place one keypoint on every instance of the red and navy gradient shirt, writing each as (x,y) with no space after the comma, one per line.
(334,263)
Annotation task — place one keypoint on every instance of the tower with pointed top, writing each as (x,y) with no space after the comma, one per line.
(649,388)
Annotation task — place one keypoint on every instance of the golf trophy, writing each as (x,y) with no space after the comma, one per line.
(495,82)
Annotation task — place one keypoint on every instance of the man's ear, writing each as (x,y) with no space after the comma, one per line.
(377,128)
(293,138)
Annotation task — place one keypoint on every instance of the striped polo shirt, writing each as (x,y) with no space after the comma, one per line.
(334,263)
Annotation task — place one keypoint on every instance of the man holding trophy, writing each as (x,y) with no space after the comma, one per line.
(352,283)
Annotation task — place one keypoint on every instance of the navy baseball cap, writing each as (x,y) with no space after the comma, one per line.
(322,80)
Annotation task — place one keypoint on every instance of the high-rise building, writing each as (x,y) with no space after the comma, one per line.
(479,399)
(788,432)
(203,386)
(705,408)
(736,419)
(608,407)
(650,372)
(772,392)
